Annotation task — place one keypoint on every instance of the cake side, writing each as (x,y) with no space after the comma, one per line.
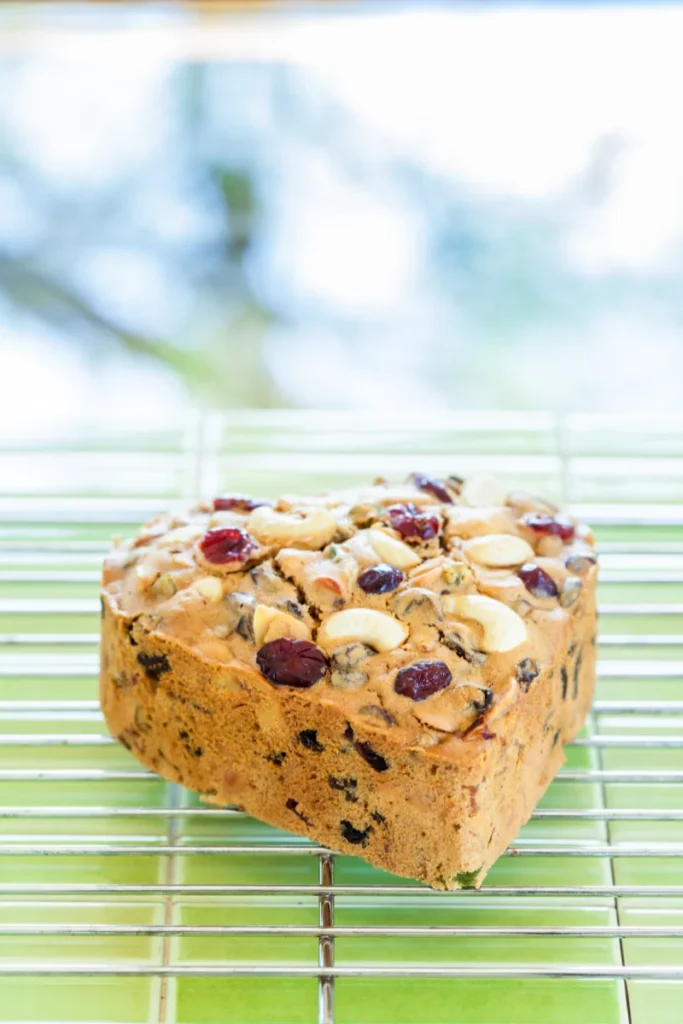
(432,785)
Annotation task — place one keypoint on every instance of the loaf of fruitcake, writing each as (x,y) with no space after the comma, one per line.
(391,671)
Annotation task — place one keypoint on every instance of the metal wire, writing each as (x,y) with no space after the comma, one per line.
(53,573)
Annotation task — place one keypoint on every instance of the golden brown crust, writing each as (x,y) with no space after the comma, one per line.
(434,788)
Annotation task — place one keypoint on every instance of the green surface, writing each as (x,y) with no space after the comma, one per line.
(265,458)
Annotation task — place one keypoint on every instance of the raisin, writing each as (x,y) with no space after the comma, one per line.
(287,662)
(155,665)
(380,579)
(353,835)
(412,522)
(421,679)
(374,759)
(348,732)
(276,757)
(347,786)
(430,486)
(527,670)
(309,738)
(293,805)
(379,818)
(549,526)
(129,630)
(577,671)
(537,581)
(565,681)
(238,503)
(230,545)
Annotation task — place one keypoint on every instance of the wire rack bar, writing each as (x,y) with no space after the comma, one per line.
(98,890)
(222,813)
(380,970)
(124,849)
(344,931)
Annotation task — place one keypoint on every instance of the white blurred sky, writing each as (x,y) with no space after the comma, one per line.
(509,102)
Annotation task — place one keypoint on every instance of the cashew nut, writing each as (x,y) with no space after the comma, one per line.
(272,623)
(392,551)
(209,587)
(483,492)
(499,550)
(313,529)
(503,628)
(378,630)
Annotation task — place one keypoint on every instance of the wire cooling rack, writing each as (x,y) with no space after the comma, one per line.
(123,899)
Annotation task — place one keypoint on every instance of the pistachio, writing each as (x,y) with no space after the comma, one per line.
(145,576)
(456,573)
(416,603)
(361,515)
(571,592)
(503,629)
(580,563)
(209,587)
(164,586)
(499,550)
(272,624)
(240,614)
(378,630)
(314,528)
(392,551)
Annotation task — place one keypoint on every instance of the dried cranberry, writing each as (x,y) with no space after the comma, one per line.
(537,581)
(549,526)
(380,579)
(422,679)
(434,487)
(288,662)
(238,503)
(412,522)
(231,545)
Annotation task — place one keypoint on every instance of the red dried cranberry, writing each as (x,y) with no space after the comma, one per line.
(221,546)
(434,487)
(412,522)
(238,503)
(537,581)
(288,662)
(422,679)
(380,579)
(549,526)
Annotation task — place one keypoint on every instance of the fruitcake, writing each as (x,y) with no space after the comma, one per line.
(390,671)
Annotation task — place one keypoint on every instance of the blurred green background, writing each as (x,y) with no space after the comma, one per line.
(345,206)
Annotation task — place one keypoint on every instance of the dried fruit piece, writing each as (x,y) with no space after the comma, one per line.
(288,662)
(230,545)
(238,503)
(412,522)
(309,738)
(313,529)
(537,581)
(392,551)
(380,579)
(434,487)
(359,837)
(155,665)
(499,550)
(375,760)
(378,630)
(549,525)
(503,629)
(526,671)
(421,679)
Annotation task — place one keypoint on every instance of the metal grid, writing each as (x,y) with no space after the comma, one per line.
(627,767)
